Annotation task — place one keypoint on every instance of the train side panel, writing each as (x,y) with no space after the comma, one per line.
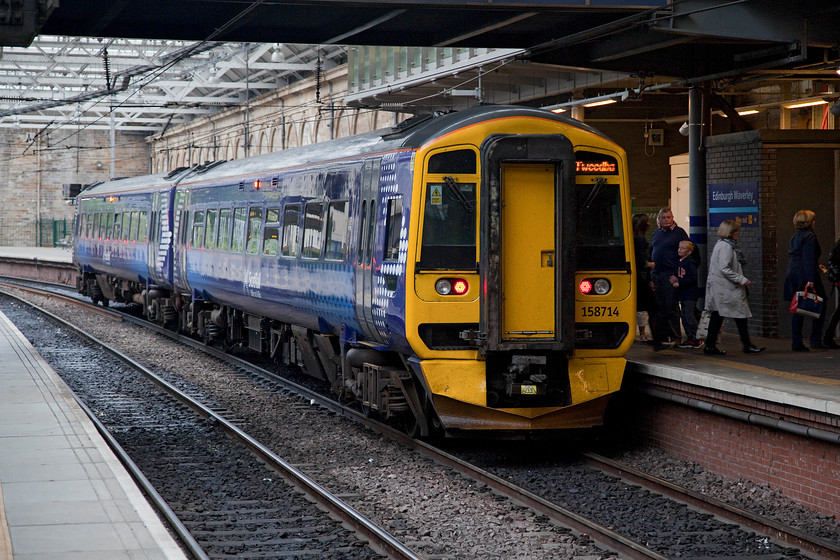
(112,236)
(276,246)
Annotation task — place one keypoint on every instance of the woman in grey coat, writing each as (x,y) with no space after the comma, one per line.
(726,289)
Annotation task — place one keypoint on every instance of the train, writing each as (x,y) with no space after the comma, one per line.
(460,274)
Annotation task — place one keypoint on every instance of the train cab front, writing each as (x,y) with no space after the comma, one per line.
(502,343)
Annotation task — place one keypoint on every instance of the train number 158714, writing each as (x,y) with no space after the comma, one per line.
(600,311)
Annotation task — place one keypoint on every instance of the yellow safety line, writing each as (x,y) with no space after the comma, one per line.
(5,538)
(786,374)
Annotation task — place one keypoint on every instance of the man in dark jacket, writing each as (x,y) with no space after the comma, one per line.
(664,246)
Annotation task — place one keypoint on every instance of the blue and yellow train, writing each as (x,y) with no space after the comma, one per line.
(466,273)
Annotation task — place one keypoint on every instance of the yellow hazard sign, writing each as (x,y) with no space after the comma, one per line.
(437,195)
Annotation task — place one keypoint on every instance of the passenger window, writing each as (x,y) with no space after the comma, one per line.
(126,225)
(238,230)
(115,233)
(392,229)
(143,227)
(271,233)
(198,229)
(371,231)
(312,228)
(181,224)
(210,234)
(132,230)
(224,229)
(291,230)
(254,227)
(336,247)
(97,226)
(109,227)
(360,253)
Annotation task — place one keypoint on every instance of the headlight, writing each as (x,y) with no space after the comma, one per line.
(602,286)
(443,286)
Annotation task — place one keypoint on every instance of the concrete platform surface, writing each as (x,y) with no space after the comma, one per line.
(63,494)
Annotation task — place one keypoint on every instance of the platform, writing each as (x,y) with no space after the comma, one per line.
(44,254)
(805,380)
(63,494)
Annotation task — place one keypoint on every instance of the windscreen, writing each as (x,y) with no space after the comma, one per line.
(600,232)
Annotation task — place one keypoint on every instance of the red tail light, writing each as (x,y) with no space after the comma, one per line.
(585,286)
(460,287)
(452,286)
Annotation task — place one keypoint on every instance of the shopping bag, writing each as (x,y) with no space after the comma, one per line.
(806,302)
(703,325)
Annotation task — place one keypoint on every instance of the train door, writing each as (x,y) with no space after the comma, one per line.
(528,251)
(180,240)
(527,237)
(160,236)
(364,250)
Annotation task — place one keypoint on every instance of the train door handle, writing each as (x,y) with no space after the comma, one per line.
(547,259)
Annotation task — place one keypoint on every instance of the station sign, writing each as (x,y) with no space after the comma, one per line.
(733,201)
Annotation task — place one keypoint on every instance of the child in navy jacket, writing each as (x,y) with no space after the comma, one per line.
(685,282)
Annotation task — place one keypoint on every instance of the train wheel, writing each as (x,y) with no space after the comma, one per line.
(412,426)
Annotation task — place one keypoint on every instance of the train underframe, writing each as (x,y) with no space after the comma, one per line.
(384,384)
(380,382)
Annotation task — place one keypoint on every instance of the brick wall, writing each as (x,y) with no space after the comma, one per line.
(35,170)
(805,470)
(738,158)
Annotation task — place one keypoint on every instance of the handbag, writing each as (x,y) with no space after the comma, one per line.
(806,302)
(703,325)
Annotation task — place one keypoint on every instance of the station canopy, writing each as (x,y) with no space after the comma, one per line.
(145,65)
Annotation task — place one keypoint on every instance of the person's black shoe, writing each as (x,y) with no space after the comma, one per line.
(818,346)
(829,343)
(799,348)
(714,351)
(752,349)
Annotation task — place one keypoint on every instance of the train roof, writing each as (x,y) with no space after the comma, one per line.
(408,135)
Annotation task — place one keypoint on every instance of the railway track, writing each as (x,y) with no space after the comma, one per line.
(614,540)
(167,426)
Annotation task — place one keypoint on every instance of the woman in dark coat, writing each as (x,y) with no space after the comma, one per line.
(645,300)
(804,267)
